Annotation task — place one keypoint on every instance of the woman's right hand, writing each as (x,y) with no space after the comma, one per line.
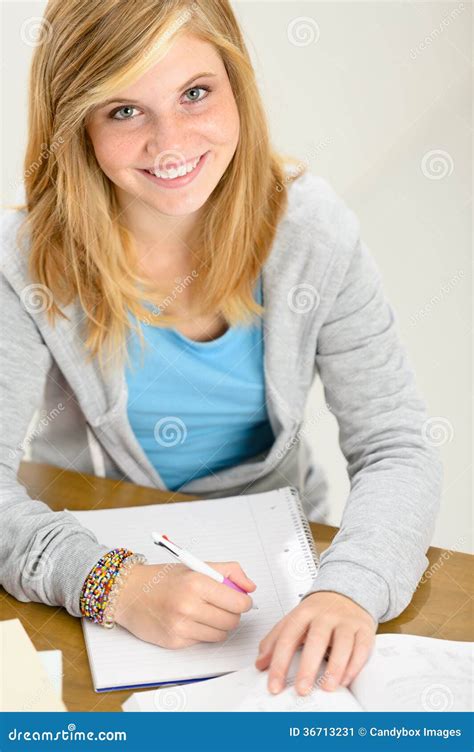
(172,606)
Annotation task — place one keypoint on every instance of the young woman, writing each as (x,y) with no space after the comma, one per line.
(170,291)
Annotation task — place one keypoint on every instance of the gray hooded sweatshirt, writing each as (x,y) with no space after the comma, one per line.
(327,317)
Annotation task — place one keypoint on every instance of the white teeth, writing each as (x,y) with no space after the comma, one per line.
(174,173)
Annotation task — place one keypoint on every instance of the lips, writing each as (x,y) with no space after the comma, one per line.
(181,180)
(175,165)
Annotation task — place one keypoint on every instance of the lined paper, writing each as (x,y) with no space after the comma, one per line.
(263,532)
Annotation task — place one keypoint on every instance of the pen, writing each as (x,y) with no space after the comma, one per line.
(191,561)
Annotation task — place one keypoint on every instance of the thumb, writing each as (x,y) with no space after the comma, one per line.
(233,571)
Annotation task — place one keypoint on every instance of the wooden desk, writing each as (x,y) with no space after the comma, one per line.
(441,606)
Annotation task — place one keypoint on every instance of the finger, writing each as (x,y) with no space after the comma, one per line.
(287,642)
(222,596)
(266,646)
(360,653)
(341,650)
(314,650)
(233,571)
(216,617)
(189,629)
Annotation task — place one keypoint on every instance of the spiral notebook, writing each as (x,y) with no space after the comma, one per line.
(267,533)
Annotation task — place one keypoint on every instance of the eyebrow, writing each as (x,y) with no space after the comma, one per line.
(135,101)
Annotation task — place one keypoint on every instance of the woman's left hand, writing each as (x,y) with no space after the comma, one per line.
(321,620)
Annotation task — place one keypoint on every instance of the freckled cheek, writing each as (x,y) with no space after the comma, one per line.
(221,126)
(114,151)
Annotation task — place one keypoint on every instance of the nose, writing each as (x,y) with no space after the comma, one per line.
(169,144)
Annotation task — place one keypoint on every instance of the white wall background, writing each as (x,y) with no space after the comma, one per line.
(376,98)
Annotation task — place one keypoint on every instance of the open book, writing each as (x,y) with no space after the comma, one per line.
(403,673)
(267,533)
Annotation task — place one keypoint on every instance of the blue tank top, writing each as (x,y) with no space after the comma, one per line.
(198,407)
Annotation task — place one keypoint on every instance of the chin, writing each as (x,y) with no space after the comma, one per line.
(178,206)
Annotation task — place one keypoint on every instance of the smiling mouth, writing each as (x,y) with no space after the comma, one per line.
(178,171)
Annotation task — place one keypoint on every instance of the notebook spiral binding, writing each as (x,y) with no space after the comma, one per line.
(299,518)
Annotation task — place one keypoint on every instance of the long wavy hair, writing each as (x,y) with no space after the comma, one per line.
(77,247)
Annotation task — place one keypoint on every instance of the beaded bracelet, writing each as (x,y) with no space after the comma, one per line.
(103,584)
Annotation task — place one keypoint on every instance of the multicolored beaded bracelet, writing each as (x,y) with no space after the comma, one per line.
(103,584)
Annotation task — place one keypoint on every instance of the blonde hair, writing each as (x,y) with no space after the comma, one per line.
(77,246)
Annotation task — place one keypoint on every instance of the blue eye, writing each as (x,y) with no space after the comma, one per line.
(196,88)
(130,107)
(125,107)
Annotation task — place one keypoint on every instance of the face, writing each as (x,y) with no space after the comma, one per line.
(165,121)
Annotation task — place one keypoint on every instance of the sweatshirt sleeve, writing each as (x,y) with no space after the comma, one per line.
(378,555)
(45,556)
